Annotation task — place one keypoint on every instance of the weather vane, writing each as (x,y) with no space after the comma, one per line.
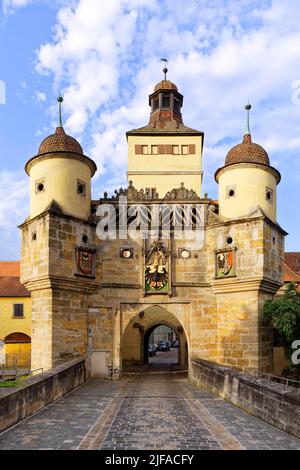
(247,108)
(60,100)
(165,70)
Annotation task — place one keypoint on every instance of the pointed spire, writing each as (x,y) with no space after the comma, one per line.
(60,100)
(165,70)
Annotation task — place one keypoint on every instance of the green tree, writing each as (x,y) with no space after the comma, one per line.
(284,312)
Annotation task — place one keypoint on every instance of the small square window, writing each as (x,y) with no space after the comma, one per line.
(175,149)
(154,149)
(81,188)
(18,311)
(184,149)
(145,149)
(151,193)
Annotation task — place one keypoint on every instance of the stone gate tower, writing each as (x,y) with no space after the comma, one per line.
(101,297)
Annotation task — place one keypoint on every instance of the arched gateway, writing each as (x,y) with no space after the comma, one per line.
(137,333)
(203,266)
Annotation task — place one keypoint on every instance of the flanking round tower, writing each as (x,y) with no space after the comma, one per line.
(247,180)
(60,173)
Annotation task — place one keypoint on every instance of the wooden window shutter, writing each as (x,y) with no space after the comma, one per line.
(192,148)
(138,149)
(161,149)
(169,149)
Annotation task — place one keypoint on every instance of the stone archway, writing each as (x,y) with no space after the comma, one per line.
(137,333)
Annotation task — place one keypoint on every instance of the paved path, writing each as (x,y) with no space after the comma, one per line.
(145,411)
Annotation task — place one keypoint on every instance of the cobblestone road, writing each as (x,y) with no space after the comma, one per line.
(145,411)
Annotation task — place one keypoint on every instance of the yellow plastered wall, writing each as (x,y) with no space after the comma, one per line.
(59,176)
(249,184)
(9,324)
(165,172)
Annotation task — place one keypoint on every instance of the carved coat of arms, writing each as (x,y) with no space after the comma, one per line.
(85,261)
(224,264)
(156,270)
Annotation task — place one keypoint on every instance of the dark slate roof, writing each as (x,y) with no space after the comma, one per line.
(165,127)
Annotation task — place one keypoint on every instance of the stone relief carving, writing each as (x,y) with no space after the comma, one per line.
(182,194)
(211,216)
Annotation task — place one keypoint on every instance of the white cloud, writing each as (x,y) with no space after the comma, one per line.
(220,53)
(8,6)
(39,96)
(14,203)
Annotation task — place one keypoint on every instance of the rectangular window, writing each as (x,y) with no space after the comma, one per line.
(166,101)
(155,104)
(176,106)
(145,149)
(154,149)
(151,193)
(18,311)
(184,149)
(175,149)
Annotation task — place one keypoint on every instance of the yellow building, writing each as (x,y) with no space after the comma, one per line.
(15,315)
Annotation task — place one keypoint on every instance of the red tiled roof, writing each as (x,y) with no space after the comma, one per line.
(10,268)
(292,259)
(60,142)
(11,287)
(246,152)
(289,275)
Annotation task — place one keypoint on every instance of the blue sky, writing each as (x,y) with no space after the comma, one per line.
(104,56)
